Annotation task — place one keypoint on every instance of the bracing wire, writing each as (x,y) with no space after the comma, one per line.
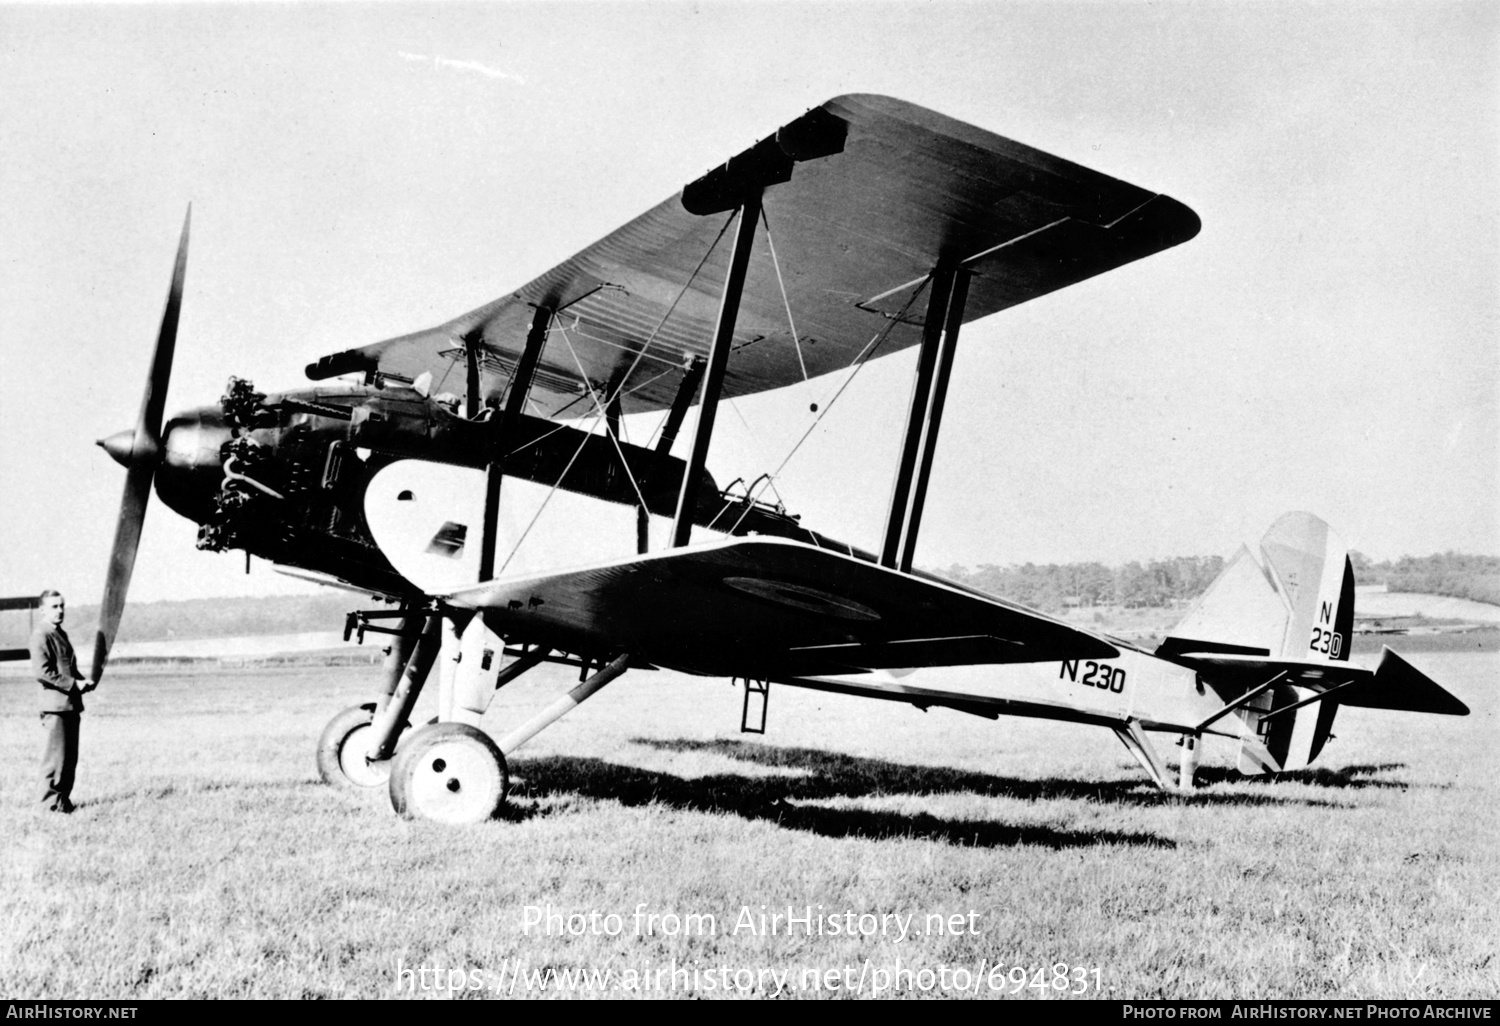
(602,413)
(551,492)
(689,284)
(796,339)
(863,358)
(641,352)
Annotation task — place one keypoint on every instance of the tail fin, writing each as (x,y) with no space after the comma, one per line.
(1313,570)
(1293,600)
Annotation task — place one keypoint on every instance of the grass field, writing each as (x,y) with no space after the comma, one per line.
(206,860)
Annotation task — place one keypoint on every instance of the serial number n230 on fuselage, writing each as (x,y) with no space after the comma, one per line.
(1095,675)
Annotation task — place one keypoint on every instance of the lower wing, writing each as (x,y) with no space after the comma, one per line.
(771,608)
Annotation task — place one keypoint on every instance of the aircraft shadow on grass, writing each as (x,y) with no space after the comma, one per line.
(1345,777)
(816,776)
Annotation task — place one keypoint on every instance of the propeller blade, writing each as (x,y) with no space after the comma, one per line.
(154,399)
(144,453)
(122,559)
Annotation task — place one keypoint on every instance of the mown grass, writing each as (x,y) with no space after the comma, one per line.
(205,859)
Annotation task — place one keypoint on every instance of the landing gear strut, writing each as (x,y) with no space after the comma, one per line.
(447,771)
(346,746)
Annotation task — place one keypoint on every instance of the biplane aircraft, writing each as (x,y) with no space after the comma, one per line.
(418,467)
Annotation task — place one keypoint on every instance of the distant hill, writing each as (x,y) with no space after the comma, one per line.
(206,618)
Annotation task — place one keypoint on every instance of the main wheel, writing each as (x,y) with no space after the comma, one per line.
(450,773)
(342,749)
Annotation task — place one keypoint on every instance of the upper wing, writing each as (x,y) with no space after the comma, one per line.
(768,608)
(866,195)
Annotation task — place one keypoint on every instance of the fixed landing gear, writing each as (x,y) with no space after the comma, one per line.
(343,749)
(449,770)
(449,773)
(355,748)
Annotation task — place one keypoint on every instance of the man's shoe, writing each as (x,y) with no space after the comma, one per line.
(64,805)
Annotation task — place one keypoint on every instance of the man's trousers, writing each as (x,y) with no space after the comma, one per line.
(59,757)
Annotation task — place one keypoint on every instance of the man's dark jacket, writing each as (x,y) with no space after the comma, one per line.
(53,663)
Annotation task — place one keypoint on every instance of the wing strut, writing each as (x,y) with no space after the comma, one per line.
(473,345)
(945,312)
(955,321)
(692,375)
(718,362)
(612,416)
(515,405)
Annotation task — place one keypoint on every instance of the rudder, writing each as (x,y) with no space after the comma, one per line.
(1312,571)
(1290,598)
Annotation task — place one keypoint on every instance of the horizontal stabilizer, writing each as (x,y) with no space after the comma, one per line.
(1236,673)
(1398,684)
(1395,684)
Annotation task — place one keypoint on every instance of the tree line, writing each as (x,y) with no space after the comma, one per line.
(1448,573)
(1177,581)
(1055,586)
(1051,587)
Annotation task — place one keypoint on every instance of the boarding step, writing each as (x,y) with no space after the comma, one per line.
(753,714)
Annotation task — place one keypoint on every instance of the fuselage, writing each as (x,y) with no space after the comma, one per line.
(295,477)
(285,477)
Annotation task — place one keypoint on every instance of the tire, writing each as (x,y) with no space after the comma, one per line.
(342,747)
(449,773)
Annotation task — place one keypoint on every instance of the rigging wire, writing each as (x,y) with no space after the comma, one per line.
(689,284)
(576,453)
(864,357)
(439,386)
(650,380)
(759,455)
(533,441)
(796,340)
(551,492)
(604,413)
(640,353)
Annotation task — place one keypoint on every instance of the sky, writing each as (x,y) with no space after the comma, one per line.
(1328,342)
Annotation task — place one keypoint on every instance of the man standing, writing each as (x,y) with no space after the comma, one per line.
(53,664)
